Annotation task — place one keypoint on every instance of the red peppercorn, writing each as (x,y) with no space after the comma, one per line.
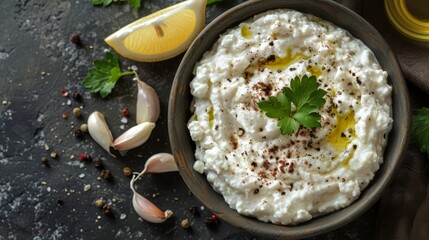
(83,157)
(214,218)
(64,93)
(125,112)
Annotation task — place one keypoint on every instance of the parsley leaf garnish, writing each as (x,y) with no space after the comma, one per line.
(134,3)
(307,98)
(420,129)
(213,1)
(104,75)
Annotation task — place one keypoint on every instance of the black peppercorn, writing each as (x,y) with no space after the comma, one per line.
(97,163)
(77,96)
(75,39)
(78,133)
(45,161)
(107,210)
(209,222)
(105,174)
(194,211)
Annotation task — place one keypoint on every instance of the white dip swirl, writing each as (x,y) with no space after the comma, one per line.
(288,179)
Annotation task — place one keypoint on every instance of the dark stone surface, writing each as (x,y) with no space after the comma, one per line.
(38,61)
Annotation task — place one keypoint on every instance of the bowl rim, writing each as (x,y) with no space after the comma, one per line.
(397,142)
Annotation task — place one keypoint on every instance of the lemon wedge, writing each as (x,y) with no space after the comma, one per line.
(161,35)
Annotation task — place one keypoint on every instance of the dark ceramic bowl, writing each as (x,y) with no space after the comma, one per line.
(179,114)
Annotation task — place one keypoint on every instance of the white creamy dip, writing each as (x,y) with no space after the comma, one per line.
(288,179)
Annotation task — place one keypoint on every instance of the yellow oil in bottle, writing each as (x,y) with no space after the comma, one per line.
(418,8)
(410,18)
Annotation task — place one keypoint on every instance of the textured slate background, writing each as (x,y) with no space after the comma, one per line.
(37,61)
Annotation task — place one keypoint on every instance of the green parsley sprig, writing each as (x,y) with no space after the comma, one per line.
(104,74)
(420,129)
(135,4)
(307,98)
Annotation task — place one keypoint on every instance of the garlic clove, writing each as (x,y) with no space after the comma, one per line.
(134,136)
(146,209)
(99,131)
(148,108)
(160,163)
(149,211)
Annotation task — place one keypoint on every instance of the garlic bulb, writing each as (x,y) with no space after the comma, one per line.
(158,163)
(148,108)
(134,136)
(99,131)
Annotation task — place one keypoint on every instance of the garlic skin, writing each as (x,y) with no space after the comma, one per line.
(158,163)
(100,132)
(134,136)
(148,108)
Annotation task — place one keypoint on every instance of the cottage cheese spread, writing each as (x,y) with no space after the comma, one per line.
(280,178)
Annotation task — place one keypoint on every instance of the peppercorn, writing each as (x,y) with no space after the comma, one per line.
(107,210)
(64,93)
(54,155)
(214,218)
(60,202)
(84,157)
(194,210)
(75,39)
(97,163)
(209,222)
(125,112)
(127,171)
(65,115)
(105,174)
(45,161)
(100,203)
(84,127)
(77,96)
(185,223)
(77,112)
(77,133)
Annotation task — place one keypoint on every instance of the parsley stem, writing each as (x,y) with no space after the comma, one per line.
(128,73)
